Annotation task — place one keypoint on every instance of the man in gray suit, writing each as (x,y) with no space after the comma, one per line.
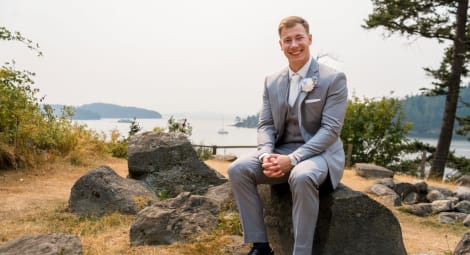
(298,140)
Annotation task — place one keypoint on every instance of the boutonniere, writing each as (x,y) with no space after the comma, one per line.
(308,84)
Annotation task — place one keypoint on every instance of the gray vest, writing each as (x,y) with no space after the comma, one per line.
(291,130)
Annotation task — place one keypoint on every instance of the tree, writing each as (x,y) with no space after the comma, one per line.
(376,130)
(445,21)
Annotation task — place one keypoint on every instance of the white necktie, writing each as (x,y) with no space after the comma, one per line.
(294,88)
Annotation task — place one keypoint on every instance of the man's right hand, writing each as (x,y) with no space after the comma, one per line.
(276,165)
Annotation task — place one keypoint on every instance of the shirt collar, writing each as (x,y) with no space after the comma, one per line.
(303,71)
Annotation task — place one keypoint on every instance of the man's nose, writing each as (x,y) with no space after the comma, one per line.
(295,43)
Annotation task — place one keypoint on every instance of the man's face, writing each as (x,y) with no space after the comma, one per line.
(295,43)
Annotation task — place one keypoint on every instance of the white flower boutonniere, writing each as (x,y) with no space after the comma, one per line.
(308,84)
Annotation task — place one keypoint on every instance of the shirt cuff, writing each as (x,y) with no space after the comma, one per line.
(260,158)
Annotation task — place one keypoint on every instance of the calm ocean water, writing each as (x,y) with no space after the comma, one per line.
(205,132)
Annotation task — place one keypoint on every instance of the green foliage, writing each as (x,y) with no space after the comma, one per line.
(181,126)
(375,129)
(30,132)
(204,153)
(134,128)
(444,21)
(229,224)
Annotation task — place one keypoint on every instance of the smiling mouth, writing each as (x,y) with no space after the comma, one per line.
(296,53)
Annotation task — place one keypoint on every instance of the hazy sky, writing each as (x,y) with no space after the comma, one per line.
(199,55)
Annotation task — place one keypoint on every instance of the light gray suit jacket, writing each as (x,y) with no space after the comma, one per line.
(321,114)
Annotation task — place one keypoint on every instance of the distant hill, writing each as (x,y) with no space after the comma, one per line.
(103,110)
(426,112)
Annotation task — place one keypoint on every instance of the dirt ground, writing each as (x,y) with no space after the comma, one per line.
(34,191)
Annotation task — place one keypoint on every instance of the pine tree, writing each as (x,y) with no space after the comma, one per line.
(444,21)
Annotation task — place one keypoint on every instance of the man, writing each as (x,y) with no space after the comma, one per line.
(298,140)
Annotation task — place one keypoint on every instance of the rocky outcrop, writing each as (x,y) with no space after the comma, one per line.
(463,180)
(102,191)
(169,165)
(349,223)
(372,171)
(423,200)
(180,218)
(49,244)
(463,247)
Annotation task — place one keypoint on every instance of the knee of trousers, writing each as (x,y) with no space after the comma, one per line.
(301,181)
(235,173)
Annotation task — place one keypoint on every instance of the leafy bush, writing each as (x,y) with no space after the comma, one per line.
(376,130)
(30,132)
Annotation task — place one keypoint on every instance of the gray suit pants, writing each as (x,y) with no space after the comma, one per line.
(304,179)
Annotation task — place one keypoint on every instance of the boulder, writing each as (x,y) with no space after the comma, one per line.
(102,191)
(421,186)
(169,165)
(48,244)
(462,192)
(372,171)
(434,195)
(439,206)
(403,189)
(463,180)
(385,193)
(180,218)
(349,223)
(421,209)
(451,217)
(466,221)
(463,247)
(444,191)
(411,198)
(225,157)
(463,206)
(387,182)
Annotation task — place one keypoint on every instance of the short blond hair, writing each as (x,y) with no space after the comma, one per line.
(291,21)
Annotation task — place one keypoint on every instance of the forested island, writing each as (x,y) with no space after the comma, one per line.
(96,111)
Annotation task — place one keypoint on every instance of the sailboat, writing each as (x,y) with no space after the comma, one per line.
(222,131)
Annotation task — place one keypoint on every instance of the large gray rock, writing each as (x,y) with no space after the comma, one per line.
(180,218)
(463,180)
(389,196)
(462,192)
(463,206)
(403,189)
(169,165)
(421,209)
(451,217)
(463,247)
(49,244)
(372,171)
(349,223)
(103,191)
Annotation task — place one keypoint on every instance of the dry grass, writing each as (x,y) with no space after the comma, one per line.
(34,201)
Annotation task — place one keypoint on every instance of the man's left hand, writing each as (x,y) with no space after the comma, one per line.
(276,165)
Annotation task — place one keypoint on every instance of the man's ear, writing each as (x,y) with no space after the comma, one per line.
(310,38)
(280,44)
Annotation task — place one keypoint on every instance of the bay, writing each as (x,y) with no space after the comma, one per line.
(205,132)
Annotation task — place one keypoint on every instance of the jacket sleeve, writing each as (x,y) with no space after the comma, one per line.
(266,130)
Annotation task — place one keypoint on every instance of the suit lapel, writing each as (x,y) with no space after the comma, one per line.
(312,71)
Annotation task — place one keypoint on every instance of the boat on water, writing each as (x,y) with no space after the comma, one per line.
(124,120)
(222,131)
